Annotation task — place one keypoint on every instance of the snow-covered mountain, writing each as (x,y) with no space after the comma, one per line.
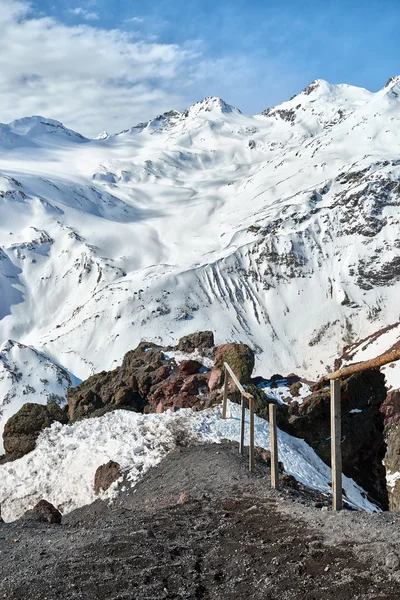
(280,230)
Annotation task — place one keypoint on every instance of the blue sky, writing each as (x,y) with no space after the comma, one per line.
(254,54)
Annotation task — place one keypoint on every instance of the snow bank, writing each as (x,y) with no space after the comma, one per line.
(61,469)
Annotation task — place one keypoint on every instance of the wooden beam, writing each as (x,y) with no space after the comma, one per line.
(273,433)
(225,397)
(242,424)
(336,451)
(386,358)
(237,382)
(251,435)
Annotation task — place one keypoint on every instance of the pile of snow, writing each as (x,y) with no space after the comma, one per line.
(62,467)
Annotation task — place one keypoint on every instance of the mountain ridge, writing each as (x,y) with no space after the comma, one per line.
(279,231)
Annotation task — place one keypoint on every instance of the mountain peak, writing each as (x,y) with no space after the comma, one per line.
(37,125)
(210,104)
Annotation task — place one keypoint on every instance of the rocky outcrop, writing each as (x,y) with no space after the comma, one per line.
(105,476)
(22,429)
(203,341)
(43,512)
(241,360)
(363,443)
(126,386)
(391,411)
(148,381)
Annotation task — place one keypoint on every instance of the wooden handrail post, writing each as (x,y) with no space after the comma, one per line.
(336,451)
(251,435)
(225,397)
(274,447)
(242,423)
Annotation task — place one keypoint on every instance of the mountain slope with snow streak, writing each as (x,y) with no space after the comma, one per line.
(280,230)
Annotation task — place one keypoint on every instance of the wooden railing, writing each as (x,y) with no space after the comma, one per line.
(229,374)
(336,451)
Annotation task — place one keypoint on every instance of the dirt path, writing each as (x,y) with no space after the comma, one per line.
(230,538)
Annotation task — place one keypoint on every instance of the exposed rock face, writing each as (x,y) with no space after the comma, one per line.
(147,381)
(239,357)
(391,411)
(43,511)
(363,444)
(22,429)
(202,341)
(126,386)
(105,476)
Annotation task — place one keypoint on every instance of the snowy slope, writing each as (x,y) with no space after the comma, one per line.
(280,230)
(62,466)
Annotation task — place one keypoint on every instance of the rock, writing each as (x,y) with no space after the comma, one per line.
(105,476)
(392,561)
(391,412)
(189,367)
(216,379)
(363,444)
(126,386)
(239,357)
(184,497)
(43,511)
(289,481)
(202,340)
(295,389)
(22,429)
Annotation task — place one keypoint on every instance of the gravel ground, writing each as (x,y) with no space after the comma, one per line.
(199,526)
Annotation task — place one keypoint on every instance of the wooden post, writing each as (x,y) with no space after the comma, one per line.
(274,447)
(251,435)
(242,423)
(336,451)
(225,398)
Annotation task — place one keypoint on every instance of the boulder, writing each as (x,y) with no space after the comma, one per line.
(201,340)
(239,357)
(22,429)
(105,476)
(189,367)
(43,512)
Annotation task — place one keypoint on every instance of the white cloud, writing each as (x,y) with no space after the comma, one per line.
(87,77)
(135,20)
(86,14)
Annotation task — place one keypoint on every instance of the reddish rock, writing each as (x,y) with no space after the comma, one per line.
(216,379)
(239,357)
(390,408)
(189,367)
(43,511)
(105,476)
(195,383)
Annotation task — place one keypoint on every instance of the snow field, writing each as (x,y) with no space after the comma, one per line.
(61,469)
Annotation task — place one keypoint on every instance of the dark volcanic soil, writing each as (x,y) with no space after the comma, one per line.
(230,537)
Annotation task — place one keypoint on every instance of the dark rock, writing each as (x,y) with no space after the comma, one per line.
(289,481)
(126,386)
(43,511)
(202,340)
(189,367)
(391,411)
(22,429)
(363,445)
(105,476)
